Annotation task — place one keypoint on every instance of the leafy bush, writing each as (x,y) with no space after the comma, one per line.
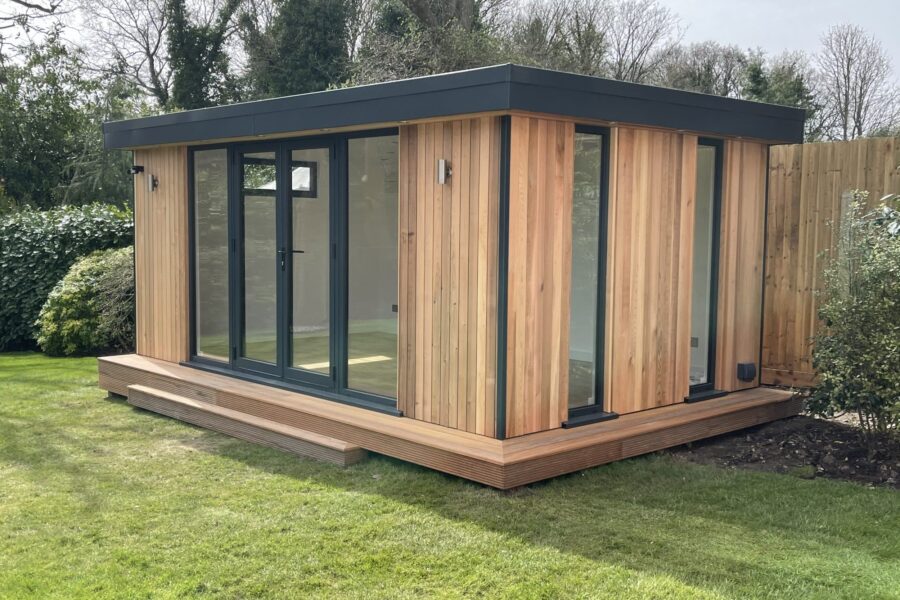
(857,351)
(36,250)
(91,309)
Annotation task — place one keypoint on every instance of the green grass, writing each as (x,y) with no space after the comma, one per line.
(98,500)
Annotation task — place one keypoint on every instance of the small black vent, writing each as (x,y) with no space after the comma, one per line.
(746,371)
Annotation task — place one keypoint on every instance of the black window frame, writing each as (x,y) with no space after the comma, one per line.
(599,411)
(336,389)
(192,256)
(707,390)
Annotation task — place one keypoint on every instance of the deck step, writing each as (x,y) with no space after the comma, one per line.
(246,427)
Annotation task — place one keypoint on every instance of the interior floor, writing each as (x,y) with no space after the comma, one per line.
(372,357)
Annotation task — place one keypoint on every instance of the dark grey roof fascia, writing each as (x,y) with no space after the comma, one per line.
(573,95)
(497,88)
(463,92)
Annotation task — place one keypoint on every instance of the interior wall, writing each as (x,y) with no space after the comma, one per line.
(160,254)
(448,273)
(650,263)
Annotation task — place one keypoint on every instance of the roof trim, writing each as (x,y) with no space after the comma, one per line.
(489,89)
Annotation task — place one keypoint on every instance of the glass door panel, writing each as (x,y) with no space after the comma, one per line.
(703,292)
(259,260)
(585,268)
(310,255)
(373,212)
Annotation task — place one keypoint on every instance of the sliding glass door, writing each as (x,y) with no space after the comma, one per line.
(294,268)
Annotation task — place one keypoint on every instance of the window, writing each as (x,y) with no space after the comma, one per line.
(704,282)
(586,245)
(210,178)
(372,257)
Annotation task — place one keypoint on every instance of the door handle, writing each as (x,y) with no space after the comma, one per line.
(281,255)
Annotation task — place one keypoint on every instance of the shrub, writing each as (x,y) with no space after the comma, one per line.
(36,250)
(857,351)
(91,309)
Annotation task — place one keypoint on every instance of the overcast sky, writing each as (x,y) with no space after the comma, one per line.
(776,25)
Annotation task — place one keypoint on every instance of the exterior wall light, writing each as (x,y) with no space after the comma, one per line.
(444,171)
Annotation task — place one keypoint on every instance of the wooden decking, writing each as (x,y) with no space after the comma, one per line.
(501,464)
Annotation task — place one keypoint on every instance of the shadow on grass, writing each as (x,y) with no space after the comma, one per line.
(698,525)
(733,532)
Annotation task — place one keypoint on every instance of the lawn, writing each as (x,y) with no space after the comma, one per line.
(101,500)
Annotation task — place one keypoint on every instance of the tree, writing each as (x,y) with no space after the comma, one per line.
(200,73)
(50,120)
(536,34)
(129,38)
(785,80)
(304,50)
(25,15)
(622,39)
(569,36)
(642,35)
(707,67)
(422,37)
(856,92)
(360,20)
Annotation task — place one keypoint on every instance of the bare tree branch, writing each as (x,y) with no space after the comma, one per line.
(855,84)
(129,38)
(642,35)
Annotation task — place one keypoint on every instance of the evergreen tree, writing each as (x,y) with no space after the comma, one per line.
(51,143)
(304,49)
(783,81)
(198,59)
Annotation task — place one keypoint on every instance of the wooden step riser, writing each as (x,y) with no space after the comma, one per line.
(243,431)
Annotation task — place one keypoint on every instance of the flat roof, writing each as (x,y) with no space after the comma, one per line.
(489,89)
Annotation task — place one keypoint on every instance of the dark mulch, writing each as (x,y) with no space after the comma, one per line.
(805,447)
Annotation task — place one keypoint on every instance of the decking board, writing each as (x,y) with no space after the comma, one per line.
(501,464)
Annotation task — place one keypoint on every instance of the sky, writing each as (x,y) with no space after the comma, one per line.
(773,25)
(776,25)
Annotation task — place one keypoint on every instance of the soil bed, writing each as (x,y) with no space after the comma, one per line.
(803,446)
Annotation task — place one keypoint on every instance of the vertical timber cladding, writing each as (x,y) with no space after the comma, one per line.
(806,183)
(540,256)
(160,254)
(649,258)
(448,273)
(741,262)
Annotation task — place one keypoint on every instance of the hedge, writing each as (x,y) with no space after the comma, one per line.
(37,248)
(91,309)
